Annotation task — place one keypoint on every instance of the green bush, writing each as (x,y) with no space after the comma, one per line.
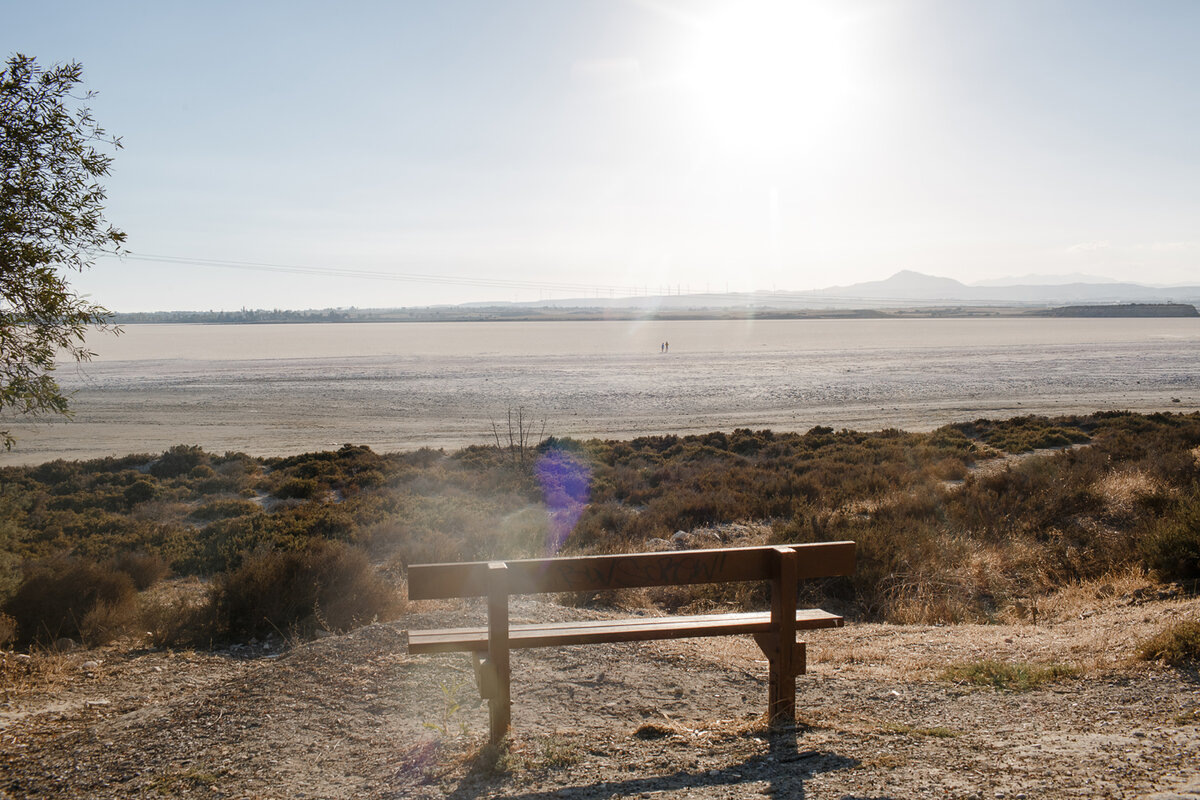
(224,509)
(221,545)
(139,491)
(72,598)
(1172,548)
(326,585)
(298,489)
(179,460)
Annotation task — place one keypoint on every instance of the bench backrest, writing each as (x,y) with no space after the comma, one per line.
(628,571)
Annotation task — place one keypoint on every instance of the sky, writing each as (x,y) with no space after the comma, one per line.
(381,154)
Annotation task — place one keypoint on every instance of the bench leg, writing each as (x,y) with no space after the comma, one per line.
(499,695)
(495,689)
(499,715)
(781,677)
(784,654)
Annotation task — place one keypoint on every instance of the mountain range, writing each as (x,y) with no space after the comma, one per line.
(905,289)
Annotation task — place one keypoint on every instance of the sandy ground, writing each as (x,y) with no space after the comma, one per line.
(284,406)
(354,716)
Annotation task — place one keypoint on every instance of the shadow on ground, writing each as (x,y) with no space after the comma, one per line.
(783,768)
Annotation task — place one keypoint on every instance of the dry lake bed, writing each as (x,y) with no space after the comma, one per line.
(280,389)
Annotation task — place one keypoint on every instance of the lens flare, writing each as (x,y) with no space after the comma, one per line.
(566,484)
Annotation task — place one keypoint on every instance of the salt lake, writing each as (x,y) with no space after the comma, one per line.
(279,389)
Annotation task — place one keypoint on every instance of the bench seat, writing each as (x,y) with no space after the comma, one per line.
(637,629)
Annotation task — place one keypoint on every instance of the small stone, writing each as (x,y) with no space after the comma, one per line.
(90,665)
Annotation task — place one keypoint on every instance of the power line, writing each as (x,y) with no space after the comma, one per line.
(774,298)
(409,277)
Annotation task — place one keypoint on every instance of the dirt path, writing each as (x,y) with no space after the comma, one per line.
(354,716)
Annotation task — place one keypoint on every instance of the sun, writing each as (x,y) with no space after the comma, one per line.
(766,76)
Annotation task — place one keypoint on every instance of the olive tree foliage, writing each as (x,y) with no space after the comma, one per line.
(51,224)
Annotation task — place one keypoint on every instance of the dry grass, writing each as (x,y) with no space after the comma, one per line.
(1177,645)
(859,654)
(1006,675)
(1123,488)
(37,670)
(903,729)
(1075,599)
(176,613)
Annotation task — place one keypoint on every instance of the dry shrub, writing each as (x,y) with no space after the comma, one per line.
(1177,646)
(72,598)
(326,585)
(176,621)
(8,629)
(106,621)
(144,569)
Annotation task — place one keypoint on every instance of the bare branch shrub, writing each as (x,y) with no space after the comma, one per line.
(517,439)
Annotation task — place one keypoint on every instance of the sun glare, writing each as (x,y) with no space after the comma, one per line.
(768,76)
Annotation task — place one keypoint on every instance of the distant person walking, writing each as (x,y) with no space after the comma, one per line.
(666,347)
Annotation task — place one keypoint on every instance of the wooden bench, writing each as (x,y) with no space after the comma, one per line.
(775,630)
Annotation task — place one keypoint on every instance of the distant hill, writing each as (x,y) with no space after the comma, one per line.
(906,284)
(907,289)
(1122,310)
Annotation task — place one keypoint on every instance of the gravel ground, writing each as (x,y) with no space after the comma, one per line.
(354,716)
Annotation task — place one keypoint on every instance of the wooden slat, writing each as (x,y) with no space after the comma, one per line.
(627,571)
(548,634)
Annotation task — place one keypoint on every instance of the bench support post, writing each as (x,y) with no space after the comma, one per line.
(784,654)
(492,672)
